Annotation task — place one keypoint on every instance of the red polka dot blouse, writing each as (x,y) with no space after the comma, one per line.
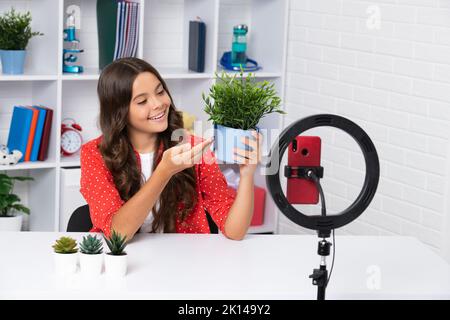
(99,191)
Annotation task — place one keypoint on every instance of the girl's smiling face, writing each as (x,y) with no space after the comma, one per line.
(149,106)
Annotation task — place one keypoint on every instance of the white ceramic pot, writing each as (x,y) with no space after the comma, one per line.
(116,265)
(11,223)
(65,263)
(91,264)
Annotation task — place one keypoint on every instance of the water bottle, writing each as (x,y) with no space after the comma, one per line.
(238,56)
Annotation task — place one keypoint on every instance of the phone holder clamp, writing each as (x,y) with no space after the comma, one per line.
(302,172)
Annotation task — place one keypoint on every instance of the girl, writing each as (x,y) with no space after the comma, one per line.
(136,178)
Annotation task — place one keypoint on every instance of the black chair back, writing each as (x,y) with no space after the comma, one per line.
(80,221)
(212,225)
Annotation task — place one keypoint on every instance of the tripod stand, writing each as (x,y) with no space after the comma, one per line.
(323,223)
(320,276)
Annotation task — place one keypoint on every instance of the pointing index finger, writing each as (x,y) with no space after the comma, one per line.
(201,147)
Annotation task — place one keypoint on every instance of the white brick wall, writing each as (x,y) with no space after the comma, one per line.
(395,83)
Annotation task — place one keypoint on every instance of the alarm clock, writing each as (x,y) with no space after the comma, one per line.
(71,139)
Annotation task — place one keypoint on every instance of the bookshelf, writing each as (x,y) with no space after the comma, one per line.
(164,43)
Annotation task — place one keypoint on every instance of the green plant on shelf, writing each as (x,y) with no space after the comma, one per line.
(116,244)
(65,245)
(240,102)
(10,202)
(15,30)
(91,245)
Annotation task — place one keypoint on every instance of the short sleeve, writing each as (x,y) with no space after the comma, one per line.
(218,197)
(98,188)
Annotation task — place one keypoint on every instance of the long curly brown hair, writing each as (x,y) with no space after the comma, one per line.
(114,90)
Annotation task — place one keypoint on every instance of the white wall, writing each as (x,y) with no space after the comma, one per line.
(394,82)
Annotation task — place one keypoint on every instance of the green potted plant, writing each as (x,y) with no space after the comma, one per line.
(116,260)
(10,206)
(15,32)
(65,255)
(91,257)
(235,105)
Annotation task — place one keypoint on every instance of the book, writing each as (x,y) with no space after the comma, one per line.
(31,133)
(131,26)
(136,36)
(197,35)
(126,29)
(118,26)
(106,13)
(122,29)
(43,149)
(38,134)
(134,29)
(19,130)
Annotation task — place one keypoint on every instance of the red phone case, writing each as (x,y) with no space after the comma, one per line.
(306,153)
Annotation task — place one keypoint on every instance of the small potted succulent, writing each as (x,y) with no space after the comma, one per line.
(236,105)
(91,257)
(10,219)
(15,32)
(116,260)
(65,255)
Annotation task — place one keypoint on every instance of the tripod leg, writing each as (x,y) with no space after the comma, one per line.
(322,283)
(320,278)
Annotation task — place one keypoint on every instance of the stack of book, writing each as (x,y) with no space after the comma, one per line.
(29,132)
(127,29)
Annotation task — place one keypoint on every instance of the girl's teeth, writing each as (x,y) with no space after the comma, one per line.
(155,118)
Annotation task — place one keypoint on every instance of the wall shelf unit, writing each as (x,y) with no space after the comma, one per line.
(164,43)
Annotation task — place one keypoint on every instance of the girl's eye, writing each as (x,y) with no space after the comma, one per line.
(161,92)
(143,101)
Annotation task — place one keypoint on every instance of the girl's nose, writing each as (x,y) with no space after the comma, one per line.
(157,104)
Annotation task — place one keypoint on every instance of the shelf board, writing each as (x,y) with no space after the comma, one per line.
(28,166)
(166,73)
(257,74)
(172,73)
(88,74)
(182,73)
(28,77)
(72,161)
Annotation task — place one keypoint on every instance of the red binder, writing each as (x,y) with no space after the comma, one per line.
(43,149)
(31,135)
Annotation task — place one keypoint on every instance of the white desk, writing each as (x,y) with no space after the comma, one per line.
(179,266)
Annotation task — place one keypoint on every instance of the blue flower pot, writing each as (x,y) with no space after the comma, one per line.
(12,61)
(226,139)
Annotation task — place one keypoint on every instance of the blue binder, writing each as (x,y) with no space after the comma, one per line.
(38,133)
(19,130)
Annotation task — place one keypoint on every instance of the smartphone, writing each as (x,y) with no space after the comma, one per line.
(303,151)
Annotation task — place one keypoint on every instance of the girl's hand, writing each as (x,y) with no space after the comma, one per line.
(248,159)
(183,156)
